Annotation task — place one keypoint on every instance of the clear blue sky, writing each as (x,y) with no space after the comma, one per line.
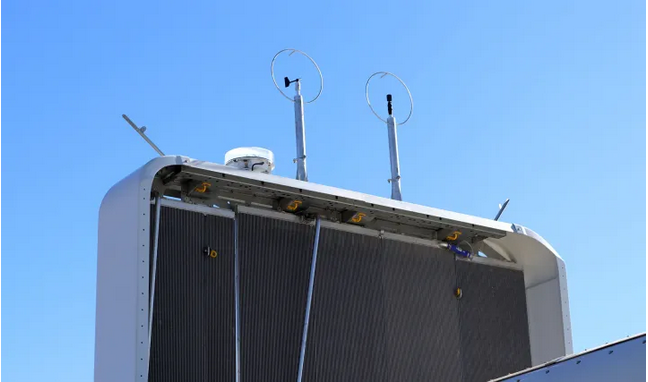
(540,102)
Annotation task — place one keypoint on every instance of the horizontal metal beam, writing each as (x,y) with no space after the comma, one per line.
(197,208)
(340,200)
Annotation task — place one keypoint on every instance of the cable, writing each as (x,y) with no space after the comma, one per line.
(256,164)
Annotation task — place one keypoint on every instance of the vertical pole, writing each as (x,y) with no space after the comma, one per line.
(393,158)
(237,314)
(309,301)
(300,134)
(156,236)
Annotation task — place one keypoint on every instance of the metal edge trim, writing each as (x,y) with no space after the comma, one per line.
(569,357)
(156,239)
(350,198)
(492,262)
(371,232)
(197,208)
(237,306)
(273,214)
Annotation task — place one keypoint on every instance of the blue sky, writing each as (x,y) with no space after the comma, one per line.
(540,102)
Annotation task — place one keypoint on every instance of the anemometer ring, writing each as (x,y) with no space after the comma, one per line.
(402,83)
(311,60)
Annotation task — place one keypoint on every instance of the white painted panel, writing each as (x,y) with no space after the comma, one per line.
(544,320)
(115,328)
(121,325)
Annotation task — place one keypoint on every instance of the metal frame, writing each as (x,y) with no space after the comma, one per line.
(373,233)
(345,199)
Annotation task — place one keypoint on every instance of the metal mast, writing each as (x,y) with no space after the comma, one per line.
(298,100)
(300,133)
(392,135)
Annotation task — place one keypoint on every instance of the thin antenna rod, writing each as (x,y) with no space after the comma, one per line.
(502,207)
(393,152)
(141,131)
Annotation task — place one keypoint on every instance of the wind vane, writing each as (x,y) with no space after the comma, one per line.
(298,100)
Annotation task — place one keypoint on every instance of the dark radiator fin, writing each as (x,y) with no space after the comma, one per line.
(275,260)
(219,301)
(382,310)
(421,311)
(192,335)
(347,335)
(493,316)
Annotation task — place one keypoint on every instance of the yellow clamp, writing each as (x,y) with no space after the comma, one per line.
(294,205)
(213,254)
(453,236)
(357,218)
(203,187)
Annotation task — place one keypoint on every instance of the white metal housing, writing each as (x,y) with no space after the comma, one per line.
(122,317)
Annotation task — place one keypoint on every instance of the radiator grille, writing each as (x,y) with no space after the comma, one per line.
(494,328)
(346,340)
(422,314)
(383,310)
(193,315)
(275,259)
